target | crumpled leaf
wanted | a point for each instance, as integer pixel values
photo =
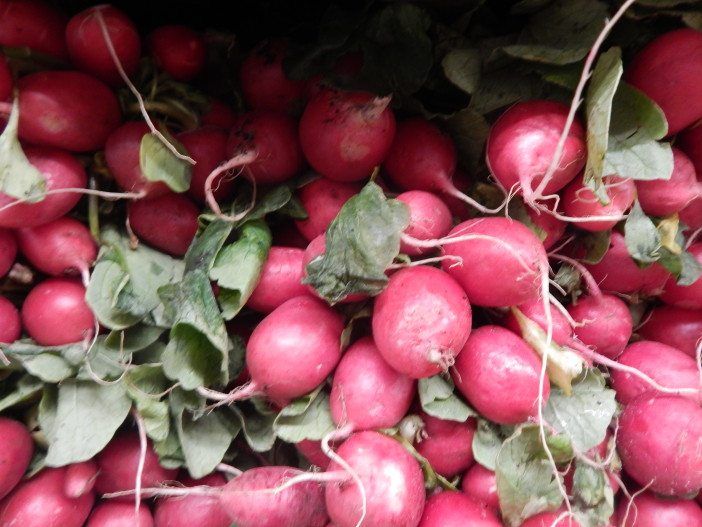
(593, 497)
(158, 163)
(487, 443)
(257, 427)
(438, 398)
(146, 384)
(307, 417)
(643, 241)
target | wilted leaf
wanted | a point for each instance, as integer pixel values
(487, 443)
(643, 241)
(593, 497)
(308, 417)
(158, 163)
(438, 399)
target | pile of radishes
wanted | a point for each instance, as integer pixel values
(209, 285)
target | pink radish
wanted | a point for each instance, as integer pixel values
(178, 51)
(312, 451)
(80, 479)
(479, 483)
(552, 226)
(649, 510)
(5, 79)
(447, 445)
(208, 147)
(34, 24)
(116, 514)
(323, 199)
(281, 279)
(16, 449)
(580, 202)
(604, 323)
(455, 509)
(689, 296)
(674, 326)
(10, 323)
(661, 197)
(429, 218)
(8, 251)
(548, 519)
(191, 511)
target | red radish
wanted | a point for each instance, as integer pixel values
(661, 197)
(692, 214)
(430, 218)
(668, 366)
(367, 394)
(689, 296)
(41, 502)
(674, 326)
(649, 510)
(605, 323)
(455, 509)
(660, 443)
(16, 449)
(8, 251)
(118, 466)
(312, 451)
(178, 51)
(479, 484)
(10, 324)
(116, 514)
(534, 310)
(548, 519)
(447, 445)
(671, 78)
(504, 263)
(580, 202)
(168, 223)
(80, 479)
(421, 321)
(208, 147)
(458, 207)
(218, 114)
(281, 279)
(499, 375)
(5, 79)
(690, 142)
(397, 500)
(273, 138)
(552, 226)
(344, 135)
(63, 246)
(193, 511)
(122, 157)
(55, 313)
(88, 47)
(66, 109)
(323, 199)
(33, 24)
(522, 143)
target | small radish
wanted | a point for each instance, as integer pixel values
(479, 483)
(551, 519)
(604, 323)
(429, 218)
(80, 479)
(312, 451)
(10, 323)
(208, 147)
(580, 202)
(5, 79)
(323, 199)
(16, 449)
(455, 509)
(280, 280)
(649, 510)
(690, 296)
(674, 326)
(663, 197)
(88, 48)
(447, 445)
(421, 321)
(552, 226)
(33, 24)
(218, 114)
(8, 251)
(345, 135)
(192, 511)
(116, 514)
(178, 51)
(534, 310)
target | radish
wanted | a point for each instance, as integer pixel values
(280, 280)
(5, 79)
(692, 214)
(10, 324)
(421, 321)
(208, 147)
(548, 519)
(604, 323)
(219, 115)
(178, 51)
(80, 479)
(580, 202)
(458, 207)
(552, 226)
(116, 514)
(674, 326)
(671, 78)
(16, 449)
(345, 135)
(191, 511)
(479, 484)
(661, 197)
(455, 509)
(429, 218)
(168, 223)
(689, 296)
(534, 310)
(55, 312)
(447, 445)
(660, 443)
(34, 24)
(312, 451)
(66, 109)
(88, 48)
(8, 251)
(392, 483)
(264, 83)
(323, 199)
(522, 143)
(499, 375)
(649, 510)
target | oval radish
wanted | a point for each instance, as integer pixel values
(280, 280)
(689, 296)
(190, 511)
(674, 326)
(580, 202)
(455, 509)
(323, 199)
(430, 218)
(34, 24)
(447, 445)
(605, 323)
(178, 51)
(208, 147)
(10, 323)
(649, 510)
(548, 519)
(80, 479)
(663, 197)
(116, 514)
(479, 483)
(16, 449)
(8, 251)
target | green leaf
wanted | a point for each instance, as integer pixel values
(158, 163)
(643, 240)
(690, 270)
(438, 399)
(146, 385)
(170, 454)
(469, 130)
(462, 67)
(207, 244)
(361, 243)
(24, 390)
(502, 87)
(596, 245)
(593, 498)
(133, 339)
(256, 427)
(487, 443)
(48, 367)
(307, 417)
(568, 278)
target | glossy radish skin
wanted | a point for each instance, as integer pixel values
(8, 251)
(62, 247)
(550, 225)
(33, 24)
(345, 135)
(674, 326)
(5, 79)
(668, 366)
(548, 519)
(168, 223)
(66, 109)
(421, 321)
(671, 78)
(660, 441)
(661, 197)
(88, 48)
(16, 449)
(479, 483)
(649, 510)
(301, 505)
(522, 143)
(605, 323)
(430, 219)
(367, 393)
(505, 270)
(10, 323)
(455, 509)
(323, 199)
(80, 479)
(178, 51)
(534, 310)
(294, 348)
(689, 297)
(447, 445)
(280, 280)
(218, 114)
(190, 511)
(499, 375)
(397, 501)
(208, 147)
(55, 313)
(60, 170)
(116, 514)
(273, 136)
(580, 202)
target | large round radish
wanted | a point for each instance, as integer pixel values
(430, 218)
(16, 449)
(523, 141)
(534, 310)
(66, 109)
(689, 296)
(548, 519)
(34, 24)
(397, 500)
(580, 202)
(55, 313)
(323, 199)
(499, 375)
(89, 49)
(10, 323)
(503, 262)
(5, 79)
(280, 280)
(549, 224)
(479, 483)
(649, 510)
(661, 197)
(455, 509)
(8, 251)
(191, 511)
(116, 514)
(660, 443)
(447, 445)
(367, 394)
(421, 321)
(208, 147)
(604, 323)
(178, 51)
(674, 326)
(344, 135)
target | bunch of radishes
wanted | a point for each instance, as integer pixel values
(389, 289)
